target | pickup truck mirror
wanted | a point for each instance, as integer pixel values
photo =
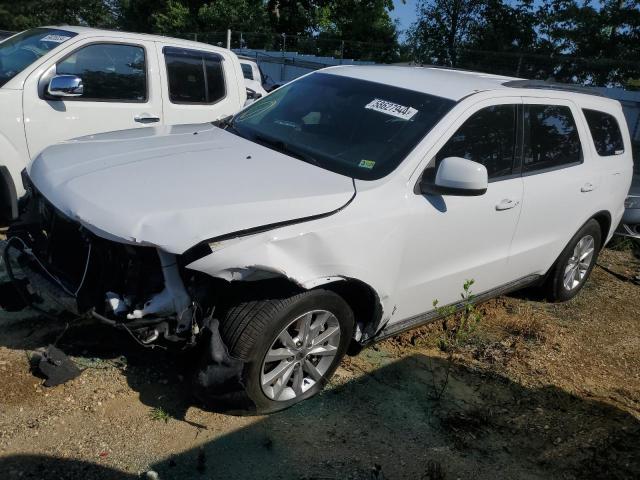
(253, 95)
(65, 86)
(457, 176)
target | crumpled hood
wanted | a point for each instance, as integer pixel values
(173, 187)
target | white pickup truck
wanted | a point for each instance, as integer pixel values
(58, 83)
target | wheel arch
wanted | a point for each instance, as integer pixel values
(603, 217)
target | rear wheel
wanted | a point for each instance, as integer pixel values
(290, 346)
(573, 267)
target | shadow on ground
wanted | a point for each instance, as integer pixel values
(485, 426)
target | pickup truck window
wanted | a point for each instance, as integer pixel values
(195, 77)
(605, 132)
(247, 71)
(22, 50)
(551, 138)
(487, 137)
(109, 71)
(354, 127)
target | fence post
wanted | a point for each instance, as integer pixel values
(228, 39)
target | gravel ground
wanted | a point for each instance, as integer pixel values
(541, 391)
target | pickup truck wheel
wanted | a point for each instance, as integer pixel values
(575, 263)
(290, 346)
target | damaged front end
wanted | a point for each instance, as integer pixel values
(65, 267)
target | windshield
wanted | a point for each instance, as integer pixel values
(20, 51)
(353, 127)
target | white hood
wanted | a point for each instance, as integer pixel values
(173, 187)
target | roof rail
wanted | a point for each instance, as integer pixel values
(548, 85)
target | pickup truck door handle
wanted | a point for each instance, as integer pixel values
(507, 204)
(146, 118)
(587, 187)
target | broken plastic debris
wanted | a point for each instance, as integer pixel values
(57, 367)
(117, 304)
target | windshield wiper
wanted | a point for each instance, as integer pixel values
(283, 147)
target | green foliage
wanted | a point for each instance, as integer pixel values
(238, 15)
(159, 414)
(459, 321)
(588, 42)
(24, 14)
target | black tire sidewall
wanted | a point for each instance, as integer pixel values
(312, 300)
(558, 291)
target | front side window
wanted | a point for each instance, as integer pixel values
(195, 77)
(20, 51)
(487, 137)
(109, 72)
(605, 132)
(354, 127)
(551, 138)
(247, 71)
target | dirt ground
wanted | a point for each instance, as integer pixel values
(542, 391)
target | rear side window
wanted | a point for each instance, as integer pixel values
(551, 138)
(605, 132)
(109, 72)
(247, 72)
(194, 77)
(487, 137)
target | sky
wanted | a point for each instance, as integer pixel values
(404, 12)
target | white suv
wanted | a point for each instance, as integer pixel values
(332, 212)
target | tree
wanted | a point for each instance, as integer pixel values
(15, 16)
(238, 15)
(359, 29)
(442, 28)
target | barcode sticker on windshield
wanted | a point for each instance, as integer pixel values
(390, 108)
(55, 38)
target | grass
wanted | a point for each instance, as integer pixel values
(159, 413)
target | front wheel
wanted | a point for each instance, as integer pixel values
(573, 267)
(290, 347)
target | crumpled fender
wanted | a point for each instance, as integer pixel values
(314, 253)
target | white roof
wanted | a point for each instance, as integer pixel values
(442, 82)
(87, 31)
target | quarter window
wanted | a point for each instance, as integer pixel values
(247, 71)
(487, 137)
(194, 76)
(109, 72)
(551, 138)
(605, 132)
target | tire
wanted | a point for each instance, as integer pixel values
(249, 328)
(560, 287)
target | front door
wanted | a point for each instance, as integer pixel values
(456, 238)
(121, 91)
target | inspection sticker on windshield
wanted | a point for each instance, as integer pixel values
(55, 38)
(390, 108)
(368, 164)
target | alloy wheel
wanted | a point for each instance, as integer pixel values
(300, 355)
(579, 263)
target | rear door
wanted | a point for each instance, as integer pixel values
(560, 184)
(121, 91)
(198, 85)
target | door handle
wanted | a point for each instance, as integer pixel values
(587, 187)
(507, 204)
(146, 118)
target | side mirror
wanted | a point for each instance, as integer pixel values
(457, 176)
(253, 95)
(65, 86)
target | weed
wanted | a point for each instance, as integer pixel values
(459, 323)
(159, 413)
